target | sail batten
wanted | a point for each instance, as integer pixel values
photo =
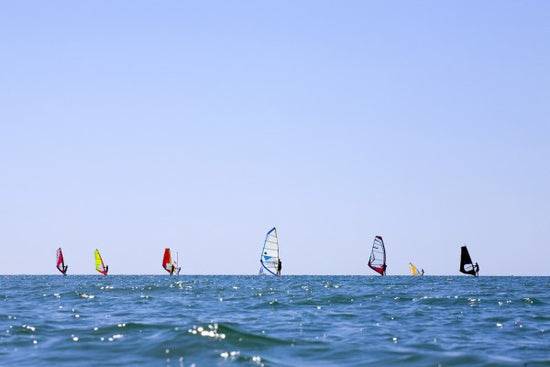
(377, 259)
(269, 258)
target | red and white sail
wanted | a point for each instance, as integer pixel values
(168, 264)
(377, 259)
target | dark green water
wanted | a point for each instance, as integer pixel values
(287, 321)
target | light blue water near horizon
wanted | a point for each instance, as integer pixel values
(287, 321)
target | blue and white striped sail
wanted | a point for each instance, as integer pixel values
(269, 258)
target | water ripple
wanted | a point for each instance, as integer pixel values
(287, 321)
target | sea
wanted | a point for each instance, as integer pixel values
(153, 320)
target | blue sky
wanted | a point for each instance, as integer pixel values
(132, 126)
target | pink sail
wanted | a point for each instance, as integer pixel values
(61, 262)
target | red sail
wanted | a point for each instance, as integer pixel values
(167, 260)
(60, 262)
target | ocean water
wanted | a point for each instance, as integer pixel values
(287, 321)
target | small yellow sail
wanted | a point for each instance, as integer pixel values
(415, 271)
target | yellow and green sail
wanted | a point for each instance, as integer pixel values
(99, 265)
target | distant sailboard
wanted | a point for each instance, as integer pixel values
(99, 265)
(466, 264)
(270, 263)
(377, 260)
(415, 271)
(61, 262)
(170, 266)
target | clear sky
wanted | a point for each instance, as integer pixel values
(131, 126)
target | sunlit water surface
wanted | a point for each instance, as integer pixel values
(286, 321)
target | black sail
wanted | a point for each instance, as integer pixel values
(466, 265)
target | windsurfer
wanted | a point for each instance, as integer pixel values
(106, 269)
(422, 272)
(476, 268)
(384, 269)
(279, 267)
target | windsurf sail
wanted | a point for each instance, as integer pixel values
(415, 271)
(61, 262)
(99, 265)
(377, 260)
(466, 264)
(169, 265)
(167, 260)
(269, 259)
